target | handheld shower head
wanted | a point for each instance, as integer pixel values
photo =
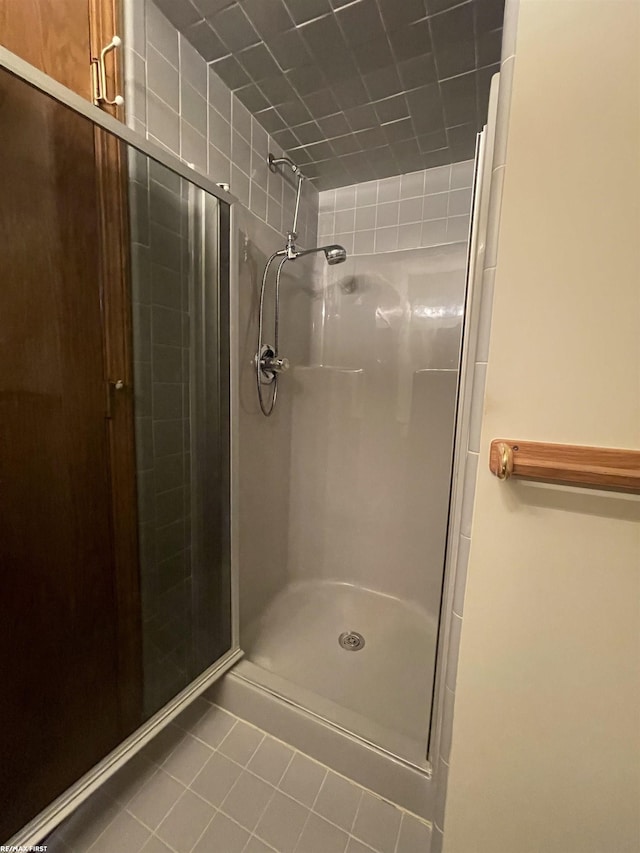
(335, 254)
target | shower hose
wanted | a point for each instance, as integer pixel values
(268, 407)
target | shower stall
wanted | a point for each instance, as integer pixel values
(343, 503)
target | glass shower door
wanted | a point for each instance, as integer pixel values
(99, 652)
(180, 347)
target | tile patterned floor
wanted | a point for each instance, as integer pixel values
(212, 783)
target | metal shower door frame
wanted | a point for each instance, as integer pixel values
(447, 648)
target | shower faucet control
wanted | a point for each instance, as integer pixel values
(278, 365)
(271, 364)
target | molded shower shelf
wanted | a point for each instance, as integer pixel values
(576, 465)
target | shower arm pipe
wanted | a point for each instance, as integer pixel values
(303, 252)
(294, 227)
(273, 163)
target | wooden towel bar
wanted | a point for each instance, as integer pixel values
(598, 467)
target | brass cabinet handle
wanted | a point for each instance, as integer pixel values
(99, 75)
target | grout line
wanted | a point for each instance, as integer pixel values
(260, 816)
(166, 843)
(261, 840)
(197, 841)
(311, 807)
(366, 846)
(395, 849)
(355, 817)
(304, 826)
(162, 840)
(284, 772)
(315, 799)
(235, 723)
(264, 735)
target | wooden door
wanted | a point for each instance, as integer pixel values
(70, 663)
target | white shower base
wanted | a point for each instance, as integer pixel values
(380, 693)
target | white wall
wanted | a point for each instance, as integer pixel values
(546, 737)
(373, 421)
(368, 491)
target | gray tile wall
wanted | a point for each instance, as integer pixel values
(175, 97)
(426, 208)
(160, 294)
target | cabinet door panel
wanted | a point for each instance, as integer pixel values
(53, 35)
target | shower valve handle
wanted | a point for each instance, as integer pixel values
(275, 365)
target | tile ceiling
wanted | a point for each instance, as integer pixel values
(354, 89)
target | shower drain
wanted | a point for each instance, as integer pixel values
(351, 641)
